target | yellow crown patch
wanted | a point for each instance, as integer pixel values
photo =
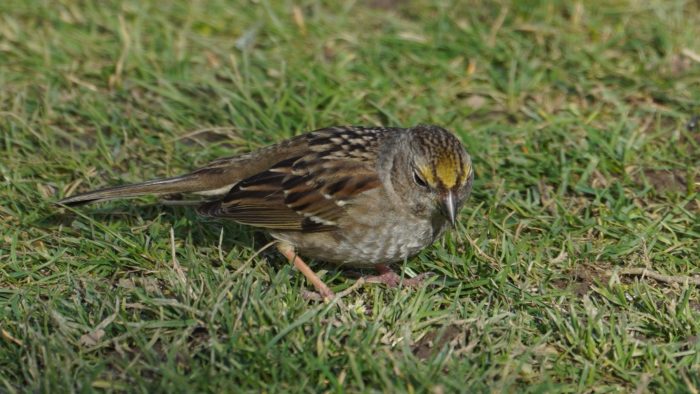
(447, 171)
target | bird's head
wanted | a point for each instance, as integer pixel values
(435, 170)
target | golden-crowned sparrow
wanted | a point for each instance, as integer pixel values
(358, 196)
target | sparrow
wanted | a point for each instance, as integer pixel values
(353, 196)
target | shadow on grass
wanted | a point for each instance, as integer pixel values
(202, 232)
(184, 220)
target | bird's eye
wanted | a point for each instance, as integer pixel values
(419, 180)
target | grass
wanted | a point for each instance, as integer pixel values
(575, 116)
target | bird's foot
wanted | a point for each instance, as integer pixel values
(391, 279)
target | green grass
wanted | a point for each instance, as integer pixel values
(574, 115)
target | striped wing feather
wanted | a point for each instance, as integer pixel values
(304, 193)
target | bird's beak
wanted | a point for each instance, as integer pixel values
(448, 207)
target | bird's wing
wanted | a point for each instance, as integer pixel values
(308, 192)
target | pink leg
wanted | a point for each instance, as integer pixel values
(288, 251)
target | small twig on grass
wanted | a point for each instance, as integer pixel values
(359, 283)
(313, 296)
(496, 26)
(9, 337)
(643, 272)
(179, 272)
(494, 262)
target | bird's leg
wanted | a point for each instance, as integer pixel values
(287, 251)
(388, 277)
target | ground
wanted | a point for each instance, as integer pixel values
(579, 119)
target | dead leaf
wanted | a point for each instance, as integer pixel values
(666, 180)
(92, 338)
(475, 101)
(435, 340)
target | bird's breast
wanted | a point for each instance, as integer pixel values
(366, 241)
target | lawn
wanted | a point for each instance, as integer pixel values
(574, 266)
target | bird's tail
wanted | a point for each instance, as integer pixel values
(188, 183)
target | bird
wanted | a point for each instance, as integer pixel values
(353, 196)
